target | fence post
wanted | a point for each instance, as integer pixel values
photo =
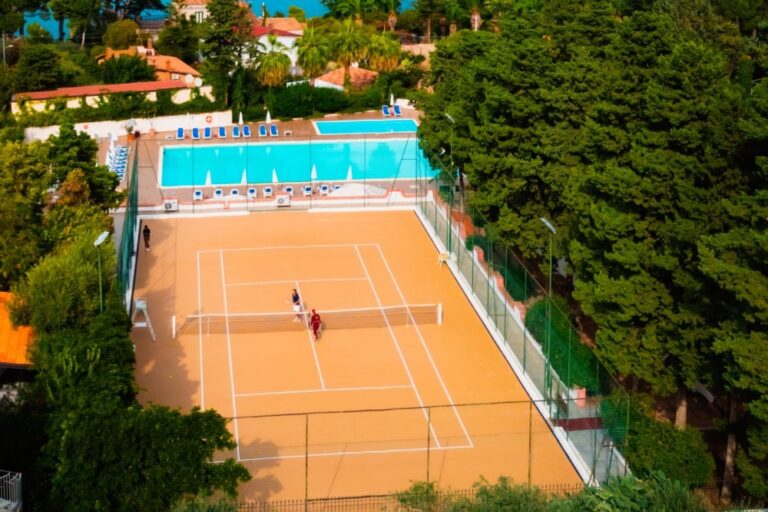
(429, 438)
(530, 440)
(306, 462)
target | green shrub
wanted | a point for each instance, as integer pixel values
(574, 362)
(651, 445)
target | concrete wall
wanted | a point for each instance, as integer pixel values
(103, 129)
(180, 96)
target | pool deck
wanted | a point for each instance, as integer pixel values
(152, 196)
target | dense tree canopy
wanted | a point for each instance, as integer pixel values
(635, 132)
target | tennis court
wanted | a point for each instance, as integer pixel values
(404, 383)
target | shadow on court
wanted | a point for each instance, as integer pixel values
(264, 484)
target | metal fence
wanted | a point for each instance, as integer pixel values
(435, 502)
(130, 232)
(295, 172)
(537, 336)
(10, 490)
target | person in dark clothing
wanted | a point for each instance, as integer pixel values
(146, 234)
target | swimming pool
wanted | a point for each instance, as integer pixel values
(292, 162)
(366, 126)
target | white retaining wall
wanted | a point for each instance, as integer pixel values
(102, 129)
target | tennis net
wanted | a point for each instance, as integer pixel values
(244, 323)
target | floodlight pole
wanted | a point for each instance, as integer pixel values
(450, 158)
(3, 49)
(97, 243)
(548, 334)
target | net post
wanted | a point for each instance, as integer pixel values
(173, 327)
(439, 313)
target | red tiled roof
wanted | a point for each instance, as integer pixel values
(259, 31)
(289, 24)
(14, 342)
(358, 77)
(196, 2)
(171, 64)
(96, 90)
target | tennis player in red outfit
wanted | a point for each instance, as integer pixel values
(315, 323)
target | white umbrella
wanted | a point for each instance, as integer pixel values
(313, 174)
(349, 173)
(269, 118)
(391, 99)
(244, 179)
(274, 176)
(240, 120)
(208, 178)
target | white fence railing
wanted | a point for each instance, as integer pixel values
(10, 491)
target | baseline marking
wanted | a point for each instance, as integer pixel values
(360, 452)
(323, 390)
(397, 346)
(424, 345)
(229, 354)
(291, 281)
(282, 247)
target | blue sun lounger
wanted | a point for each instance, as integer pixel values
(246, 131)
(207, 132)
(222, 132)
(385, 111)
(235, 132)
(180, 134)
(273, 131)
(262, 130)
(398, 112)
(196, 133)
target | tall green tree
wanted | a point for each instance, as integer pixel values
(125, 69)
(348, 44)
(24, 179)
(273, 63)
(39, 69)
(180, 39)
(314, 52)
(121, 34)
(70, 150)
(227, 34)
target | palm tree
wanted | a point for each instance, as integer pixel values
(383, 53)
(349, 45)
(453, 12)
(313, 53)
(354, 8)
(273, 65)
(390, 7)
(427, 9)
(475, 19)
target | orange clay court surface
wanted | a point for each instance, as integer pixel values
(267, 380)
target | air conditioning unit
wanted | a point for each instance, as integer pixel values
(171, 205)
(283, 200)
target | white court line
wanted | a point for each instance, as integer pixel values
(229, 353)
(284, 247)
(397, 346)
(426, 349)
(312, 342)
(360, 452)
(200, 335)
(328, 280)
(324, 390)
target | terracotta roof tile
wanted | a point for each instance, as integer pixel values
(171, 64)
(358, 77)
(14, 342)
(95, 90)
(288, 24)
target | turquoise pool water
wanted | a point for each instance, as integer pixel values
(288, 162)
(366, 126)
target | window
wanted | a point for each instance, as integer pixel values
(175, 76)
(199, 16)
